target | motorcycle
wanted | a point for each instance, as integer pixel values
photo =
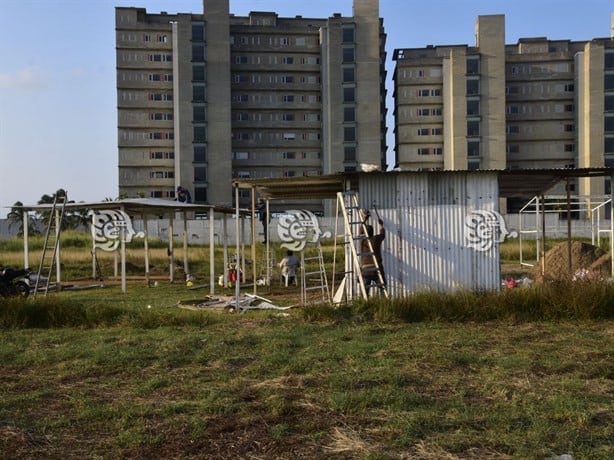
(14, 283)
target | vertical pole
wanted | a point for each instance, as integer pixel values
(268, 248)
(612, 223)
(95, 274)
(146, 249)
(25, 216)
(569, 264)
(123, 253)
(543, 247)
(238, 241)
(253, 204)
(58, 259)
(171, 248)
(212, 250)
(225, 232)
(186, 268)
(537, 216)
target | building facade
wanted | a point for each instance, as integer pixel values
(539, 103)
(204, 98)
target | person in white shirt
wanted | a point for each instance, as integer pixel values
(289, 265)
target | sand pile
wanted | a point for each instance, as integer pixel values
(583, 256)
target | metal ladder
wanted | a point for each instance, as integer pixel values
(355, 234)
(51, 245)
(319, 274)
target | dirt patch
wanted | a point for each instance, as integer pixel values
(583, 256)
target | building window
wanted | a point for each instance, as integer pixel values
(199, 113)
(569, 108)
(348, 75)
(473, 128)
(473, 66)
(438, 151)
(512, 129)
(200, 134)
(571, 147)
(287, 116)
(609, 60)
(289, 155)
(198, 53)
(472, 165)
(608, 124)
(349, 94)
(349, 114)
(424, 131)
(569, 128)
(423, 112)
(157, 116)
(200, 154)
(473, 107)
(349, 153)
(473, 87)
(289, 136)
(424, 151)
(348, 55)
(198, 32)
(241, 60)
(512, 109)
(288, 60)
(349, 134)
(437, 131)
(348, 35)
(198, 93)
(200, 174)
(609, 103)
(288, 98)
(512, 148)
(240, 155)
(198, 73)
(473, 149)
(200, 194)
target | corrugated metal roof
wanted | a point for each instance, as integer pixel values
(154, 205)
(512, 182)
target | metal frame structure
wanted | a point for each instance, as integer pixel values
(145, 208)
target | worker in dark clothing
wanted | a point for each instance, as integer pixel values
(264, 218)
(368, 261)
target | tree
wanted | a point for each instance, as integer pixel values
(15, 218)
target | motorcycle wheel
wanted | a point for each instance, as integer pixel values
(23, 290)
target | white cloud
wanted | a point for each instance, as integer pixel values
(30, 78)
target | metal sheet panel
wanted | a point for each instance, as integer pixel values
(426, 246)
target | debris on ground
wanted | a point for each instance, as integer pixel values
(229, 303)
(583, 256)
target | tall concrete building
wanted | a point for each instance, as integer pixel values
(539, 103)
(204, 98)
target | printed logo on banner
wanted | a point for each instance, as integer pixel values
(484, 228)
(296, 228)
(107, 228)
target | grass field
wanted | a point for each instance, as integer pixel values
(523, 374)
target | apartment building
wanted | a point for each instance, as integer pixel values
(204, 98)
(538, 103)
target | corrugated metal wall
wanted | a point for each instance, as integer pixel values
(424, 216)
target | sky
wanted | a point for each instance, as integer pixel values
(58, 117)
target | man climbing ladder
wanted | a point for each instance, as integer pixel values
(371, 253)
